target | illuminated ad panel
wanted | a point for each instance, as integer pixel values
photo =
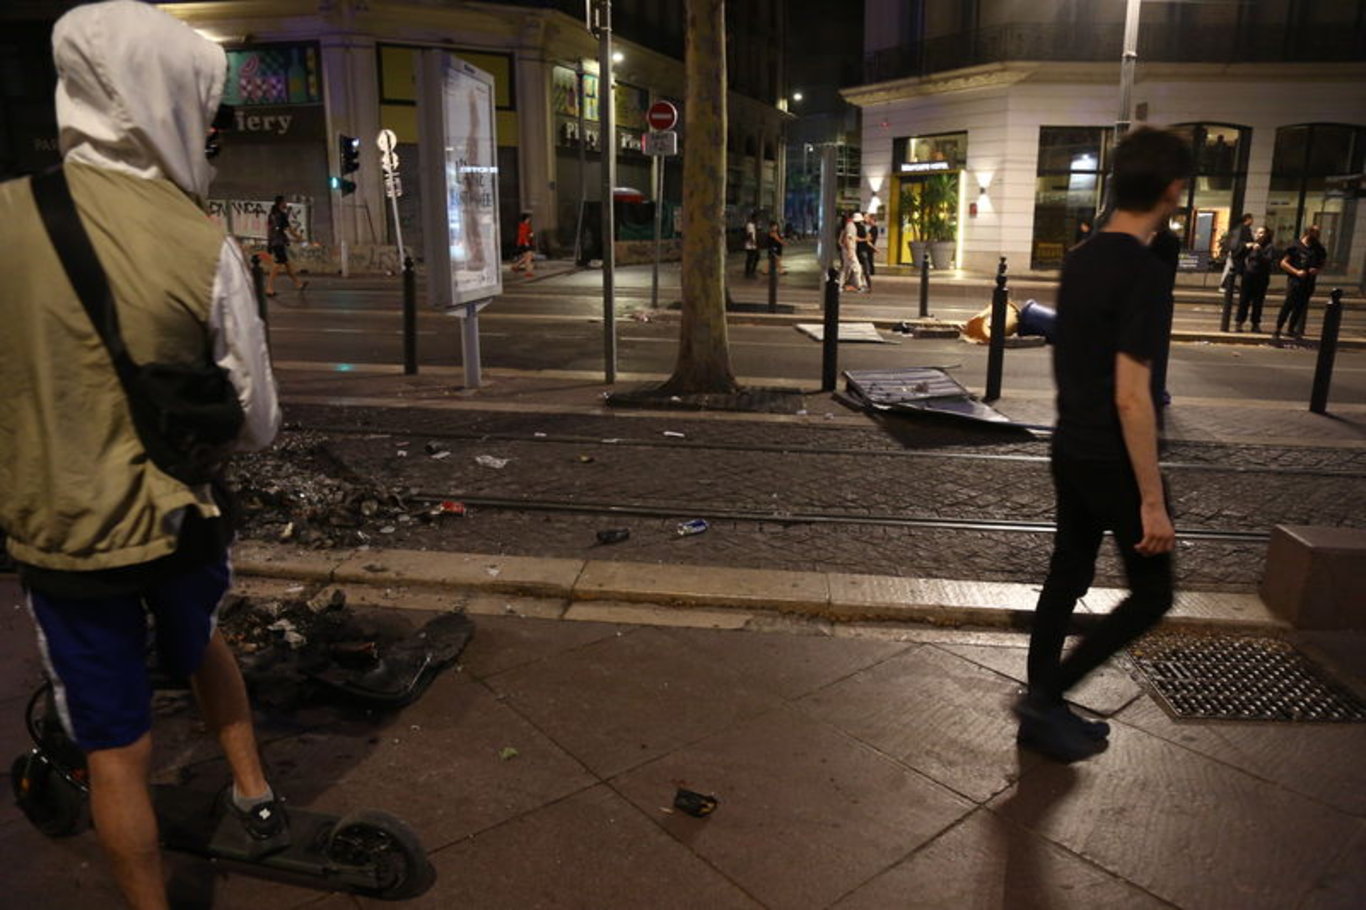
(471, 166)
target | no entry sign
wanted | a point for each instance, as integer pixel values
(662, 116)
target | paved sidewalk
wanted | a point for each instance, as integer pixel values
(856, 766)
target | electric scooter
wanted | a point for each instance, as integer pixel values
(366, 852)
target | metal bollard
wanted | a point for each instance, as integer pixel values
(830, 345)
(996, 347)
(1228, 303)
(1328, 350)
(772, 281)
(258, 283)
(409, 317)
(925, 285)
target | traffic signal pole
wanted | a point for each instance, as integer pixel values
(607, 144)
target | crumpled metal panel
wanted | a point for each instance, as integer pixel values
(919, 389)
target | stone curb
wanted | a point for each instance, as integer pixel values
(601, 587)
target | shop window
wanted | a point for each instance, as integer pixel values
(1316, 179)
(1214, 195)
(1067, 189)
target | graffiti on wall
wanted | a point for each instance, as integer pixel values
(246, 218)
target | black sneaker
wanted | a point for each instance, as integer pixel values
(252, 833)
(1054, 731)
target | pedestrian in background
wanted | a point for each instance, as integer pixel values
(278, 233)
(1237, 246)
(775, 249)
(851, 275)
(526, 246)
(1104, 458)
(1083, 231)
(102, 535)
(866, 232)
(751, 245)
(1301, 262)
(1256, 271)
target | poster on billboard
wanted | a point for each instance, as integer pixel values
(471, 182)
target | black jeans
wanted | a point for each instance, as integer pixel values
(751, 263)
(1093, 497)
(1296, 306)
(1252, 295)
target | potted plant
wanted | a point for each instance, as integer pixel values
(939, 201)
(913, 223)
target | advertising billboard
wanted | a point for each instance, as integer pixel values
(471, 181)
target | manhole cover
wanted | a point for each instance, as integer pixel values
(1235, 677)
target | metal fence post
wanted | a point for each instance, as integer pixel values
(409, 316)
(830, 344)
(925, 285)
(1227, 317)
(258, 284)
(772, 280)
(996, 348)
(1328, 350)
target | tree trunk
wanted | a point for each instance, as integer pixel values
(703, 364)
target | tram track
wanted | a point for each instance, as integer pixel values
(626, 442)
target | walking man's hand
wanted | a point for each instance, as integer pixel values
(1158, 534)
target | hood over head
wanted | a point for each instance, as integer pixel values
(137, 90)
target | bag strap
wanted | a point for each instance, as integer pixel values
(52, 194)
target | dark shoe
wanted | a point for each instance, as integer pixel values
(303, 287)
(1052, 730)
(261, 830)
(1238, 328)
(1256, 328)
(1096, 729)
(270, 293)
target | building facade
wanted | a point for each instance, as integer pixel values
(987, 125)
(302, 73)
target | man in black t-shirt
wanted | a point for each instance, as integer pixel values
(1301, 264)
(1105, 469)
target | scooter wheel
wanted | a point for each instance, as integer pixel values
(54, 805)
(387, 849)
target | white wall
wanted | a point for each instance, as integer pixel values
(1003, 137)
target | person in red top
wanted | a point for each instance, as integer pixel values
(526, 249)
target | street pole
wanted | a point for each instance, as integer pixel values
(825, 239)
(1128, 63)
(996, 348)
(583, 173)
(659, 229)
(607, 143)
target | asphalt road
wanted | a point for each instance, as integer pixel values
(555, 328)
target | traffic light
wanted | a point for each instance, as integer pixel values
(348, 148)
(348, 155)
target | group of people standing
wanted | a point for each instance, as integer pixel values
(1251, 259)
(858, 233)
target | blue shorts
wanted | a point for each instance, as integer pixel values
(96, 650)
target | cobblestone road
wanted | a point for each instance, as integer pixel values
(905, 469)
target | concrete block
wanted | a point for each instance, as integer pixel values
(1316, 577)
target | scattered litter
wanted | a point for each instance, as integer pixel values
(611, 442)
(675, 399)
(698, 805)
(294, 589)
(374, 567)
(586, 459)
(440, 455)
(288, 532)
(674, 434)
(494, 571)
(451, 507)
(801, 412)
(401, 453)
(918, 390)
(289, 634)
(432, 448)
(689, 528)
(613, 535)
(641, 316)
(848, 331)
(539, 435)
(415, 728)
(490, 461)
(507, 753)
(326, 601)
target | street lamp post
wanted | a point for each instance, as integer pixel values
(607, 144)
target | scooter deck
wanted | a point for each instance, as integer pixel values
(191, 822)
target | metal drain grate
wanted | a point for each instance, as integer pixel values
(1235, 677)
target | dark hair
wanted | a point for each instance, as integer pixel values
(1147, 160)
(279, 200)
(1248, 216)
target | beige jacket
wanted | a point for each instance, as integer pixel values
(137, 90)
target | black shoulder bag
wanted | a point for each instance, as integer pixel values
(187, 416)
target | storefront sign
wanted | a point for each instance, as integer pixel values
(286, 123)
(919, 167)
